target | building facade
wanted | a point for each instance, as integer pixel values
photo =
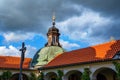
(98, 59)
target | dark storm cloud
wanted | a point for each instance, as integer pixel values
(107, 31)
(109, 9)
(106, 7)
(35, 15)
(30, 15)
(92, 26)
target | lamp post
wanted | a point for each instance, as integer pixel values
(23, 49)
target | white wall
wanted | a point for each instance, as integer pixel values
(92, 66)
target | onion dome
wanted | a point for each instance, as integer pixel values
(45, 55)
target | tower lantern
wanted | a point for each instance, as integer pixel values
(53, 35)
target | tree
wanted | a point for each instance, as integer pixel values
(32, 76)
(0, 77)
(117, 67)
(6, 75)
(60, 74)
(41, 76)
(86, 74)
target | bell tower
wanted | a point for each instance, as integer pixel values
(53, 35)
(51, 50)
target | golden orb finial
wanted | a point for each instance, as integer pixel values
(53, 19)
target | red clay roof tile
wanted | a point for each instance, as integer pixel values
(93, 53)
(13, 62)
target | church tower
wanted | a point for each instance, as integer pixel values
(53, 35)
(51, 49)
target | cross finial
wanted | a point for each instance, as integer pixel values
(53, 17)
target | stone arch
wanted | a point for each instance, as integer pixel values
(16, 77)
(104, 73)
(51, 76)
(73, 75)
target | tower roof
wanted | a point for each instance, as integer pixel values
(53, 29)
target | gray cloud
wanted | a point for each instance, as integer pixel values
(32, 15)
(112, 29)
(35, 16)
(106, 7)
(91, 27)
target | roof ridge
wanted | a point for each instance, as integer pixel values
(13, 57)
(113, 41)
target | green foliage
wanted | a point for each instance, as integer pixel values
(41, 76)
(60, 74)
(0, 77)
(32, 76)
(6, 75)
(86, 74)
(117, 67)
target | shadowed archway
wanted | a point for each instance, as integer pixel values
(104, 74)
(101, 77)
(73, 75)
(51, 76)
(16, 77)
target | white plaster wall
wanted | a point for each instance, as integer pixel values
(93, 67)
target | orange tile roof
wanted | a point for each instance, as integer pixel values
(89, 54)
(13, 62)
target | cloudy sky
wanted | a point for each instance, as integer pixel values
(82, 23)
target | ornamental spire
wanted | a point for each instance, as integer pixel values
(53, 19)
